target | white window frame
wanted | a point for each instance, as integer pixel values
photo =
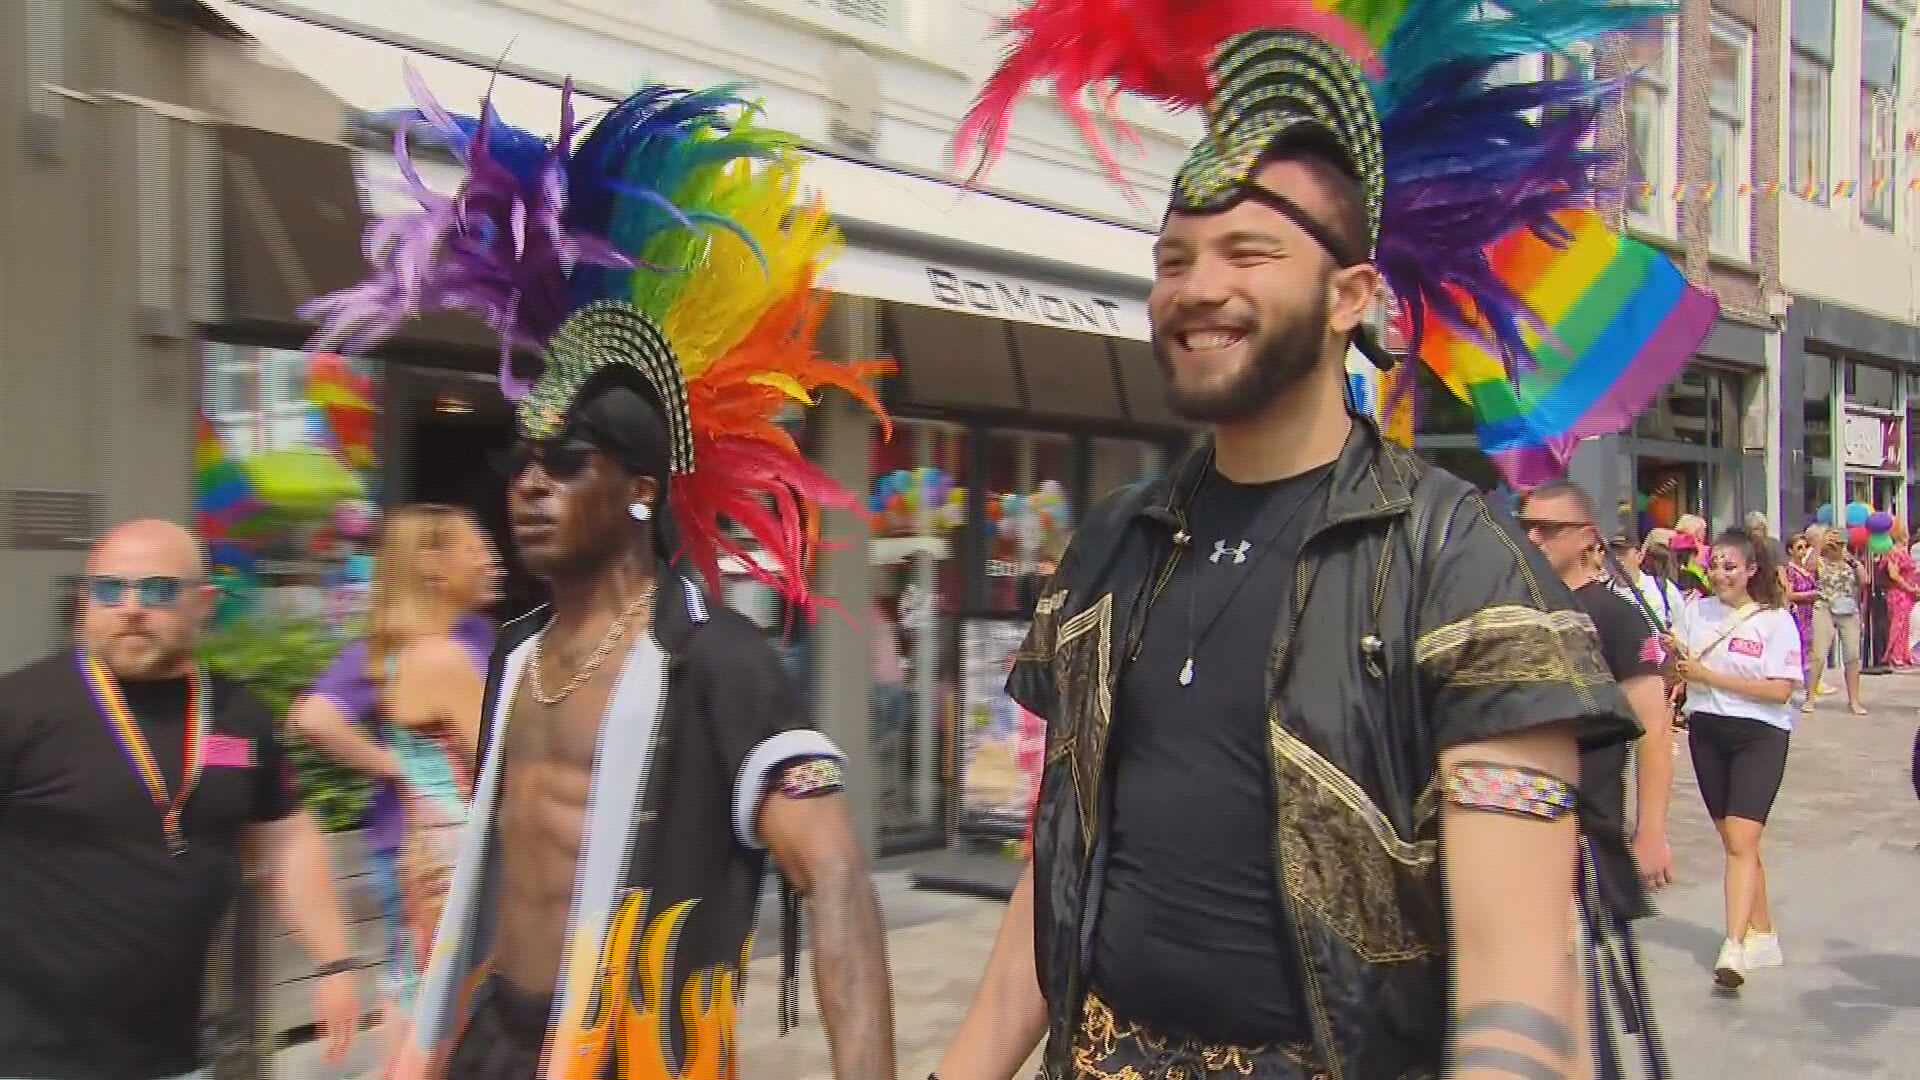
(1658, 216)
(1817, 188)
(1863, 186)
(1739, 245)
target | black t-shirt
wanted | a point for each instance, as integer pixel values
(104, 933)
(1631, 650)
(1190, 938)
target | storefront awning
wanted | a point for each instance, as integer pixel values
(956, 363)
(993, 303)
(950, 361)
(294, 212)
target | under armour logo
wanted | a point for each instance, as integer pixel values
(1237, 554)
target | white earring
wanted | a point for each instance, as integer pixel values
(640, 511)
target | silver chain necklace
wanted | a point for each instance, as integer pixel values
(607, 644)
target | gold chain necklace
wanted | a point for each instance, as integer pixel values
(614, 633)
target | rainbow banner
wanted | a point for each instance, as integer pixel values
(349, 409)
(229, 495)
(1617, 325)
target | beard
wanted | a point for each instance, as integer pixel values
(1276, 361)
(139, 659)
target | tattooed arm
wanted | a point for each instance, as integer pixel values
(1509, 877)
(814, 843)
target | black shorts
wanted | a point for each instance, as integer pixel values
(504, 1038)
(1739, 764)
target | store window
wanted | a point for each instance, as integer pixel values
(1652, 119)
(920, 519)
(290, 467)
(1913, 451)
(1028, 480)
(1879, 116)
(1702, 409)
(1810, 99)
(1817, 417)
(1729, 96)
(1872, 386)
(1687, 451)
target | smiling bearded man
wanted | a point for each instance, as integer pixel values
(1312, 706)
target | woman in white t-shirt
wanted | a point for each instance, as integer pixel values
(1739, 652)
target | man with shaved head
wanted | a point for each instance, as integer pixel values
(135, 787)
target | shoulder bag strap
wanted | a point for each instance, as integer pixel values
(1747, 611)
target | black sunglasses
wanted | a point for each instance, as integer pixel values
(561, 459)
(1552, 528)
(158, 591)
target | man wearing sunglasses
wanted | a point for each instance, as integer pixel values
(1558, 518)
(135, 789)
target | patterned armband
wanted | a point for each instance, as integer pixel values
(810, 778)
(1510, 789)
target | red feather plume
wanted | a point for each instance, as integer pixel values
(747, 469)
(1088, 52)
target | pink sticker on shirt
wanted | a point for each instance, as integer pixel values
(230, 752)
(1746, 647)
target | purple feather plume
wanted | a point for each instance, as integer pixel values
(496, 250)
(1465, 165)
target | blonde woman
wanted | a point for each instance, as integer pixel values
(436, 566)
(1836, 614)
(404, 705)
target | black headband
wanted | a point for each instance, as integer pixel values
(1343, 257)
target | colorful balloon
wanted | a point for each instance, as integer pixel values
(1880, 543)
(1879, 521)
(1858, 513)
(1857, 537)
(1824, 515)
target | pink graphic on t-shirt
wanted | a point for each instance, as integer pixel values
(230, 752)
(1650, 652)
(1746, 647)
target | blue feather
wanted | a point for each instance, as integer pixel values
(625, 176)
(1432, 34)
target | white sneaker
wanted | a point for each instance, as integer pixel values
(1763, 951)
(1730, 970)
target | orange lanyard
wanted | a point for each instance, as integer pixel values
(133, 741)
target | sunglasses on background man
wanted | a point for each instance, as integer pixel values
(158, 591)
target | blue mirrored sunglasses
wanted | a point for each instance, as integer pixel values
(155, 592)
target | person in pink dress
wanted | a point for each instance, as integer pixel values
(1903, 582)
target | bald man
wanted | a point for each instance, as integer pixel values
(135, 788)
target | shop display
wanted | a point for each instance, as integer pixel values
(290, 504)
(901, 498)
(1001, 744)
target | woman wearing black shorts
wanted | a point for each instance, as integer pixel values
(1739, 653)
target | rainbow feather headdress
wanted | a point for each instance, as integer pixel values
(671, 245)
(1482, 196)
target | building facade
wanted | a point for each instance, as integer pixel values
(1699, 124)
(1850, 259)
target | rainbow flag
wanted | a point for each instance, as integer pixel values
(1617, 324)
(229, 495)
